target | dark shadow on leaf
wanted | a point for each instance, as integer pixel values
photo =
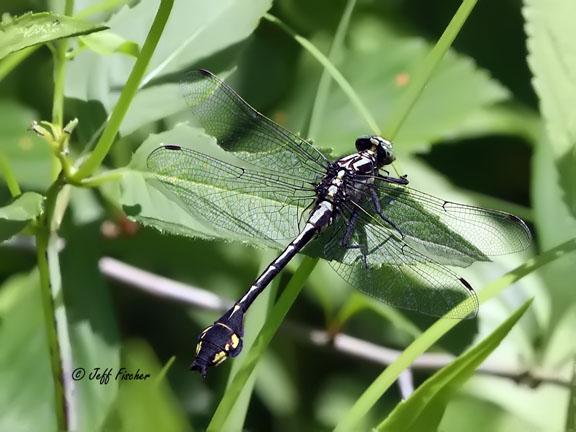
(132, 210)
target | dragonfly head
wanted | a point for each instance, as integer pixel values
(379, 145)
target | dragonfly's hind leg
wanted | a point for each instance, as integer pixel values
(378, 209)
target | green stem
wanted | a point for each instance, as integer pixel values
(42, 241)
(335, 73)
(128, 92)
(436, 331)
(11, 181)
(424, 71)
(261, 343)
(59, 59)
(106, 177)
(323, 91)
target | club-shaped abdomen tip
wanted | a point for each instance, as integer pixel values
(219, 341)
(202, 368)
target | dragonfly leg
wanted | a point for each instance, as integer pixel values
(345, 242)
(378, 209)
(402, 180)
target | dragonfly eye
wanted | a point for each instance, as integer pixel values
(384, 155)
(364, 143)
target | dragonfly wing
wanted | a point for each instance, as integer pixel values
(455, 234)
(378, 262)
(240, 129)
(229, 197)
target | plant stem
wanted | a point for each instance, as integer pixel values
(333, 71)
(11, 181)
(59, 59)
(42, 240)
(105, 177)
(323, 91)
(128, 92)
(261, 343)
(436, 331)
(425, 70)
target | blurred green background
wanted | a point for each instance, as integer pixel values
(480, 133)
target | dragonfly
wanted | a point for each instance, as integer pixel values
(392, 242)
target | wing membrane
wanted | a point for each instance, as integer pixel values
(229, 197)
(424, 218)
(239, 128)
(378, 262)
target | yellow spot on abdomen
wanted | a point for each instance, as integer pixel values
(235, 340)
(219, 358)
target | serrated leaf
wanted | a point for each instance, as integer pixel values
(15, 216)
(552, 60)
(145, 201)
(424, 409)
(555, 224)
(378, 65)
(38, 28)
(195, 30)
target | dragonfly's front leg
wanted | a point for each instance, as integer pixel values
(402, 180)
(378, 209)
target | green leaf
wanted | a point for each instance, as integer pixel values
(32, 29)
(15, 216)
(196, 30)
(552, 60)
(25, 379)
(146, 201)
(457, 91)
(28, 155)
(108, 42)
(554, 223)
(274, 386)
(383, 382)
(571, 416)
(424, 409)
(91, 324)
(145, 406)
